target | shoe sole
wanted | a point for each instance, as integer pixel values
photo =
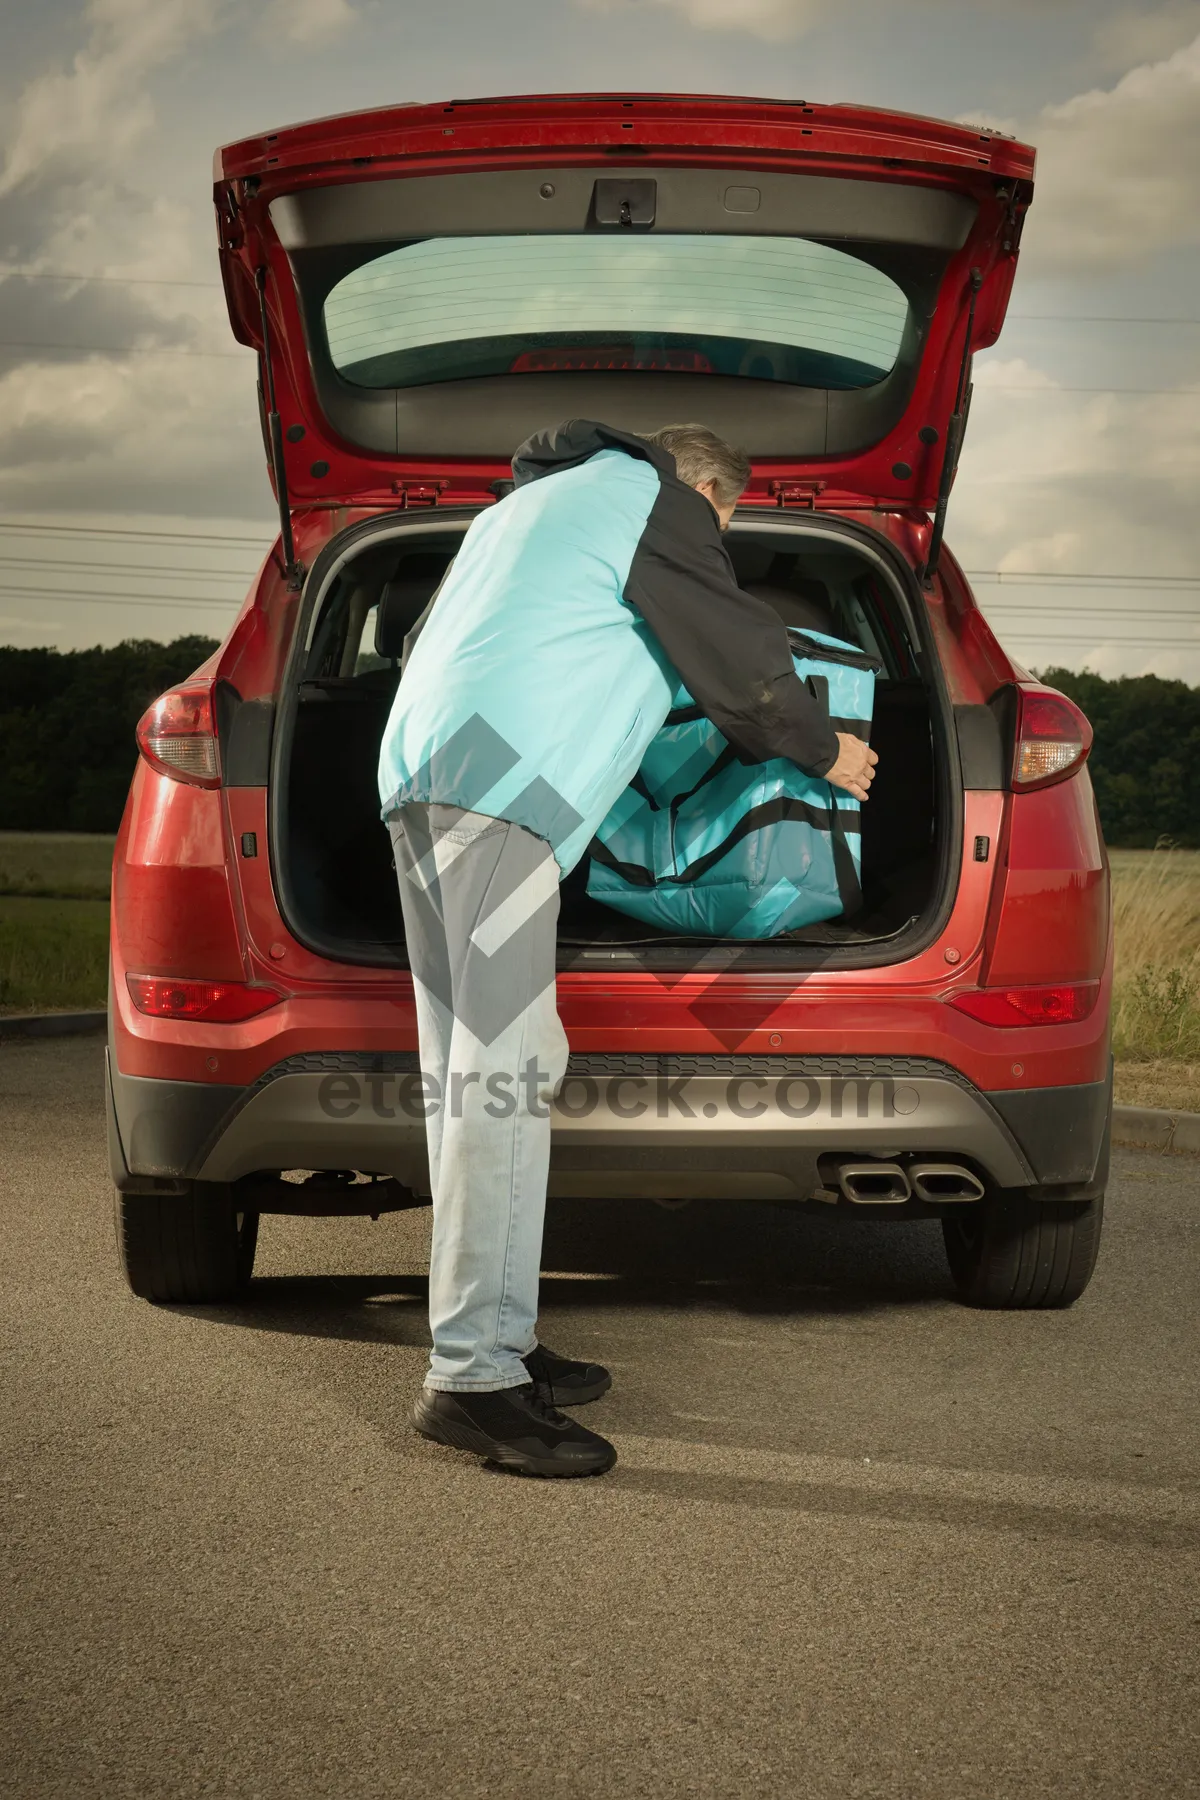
(476, 1443)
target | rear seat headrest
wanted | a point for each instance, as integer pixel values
(805, 606)
(405, 598)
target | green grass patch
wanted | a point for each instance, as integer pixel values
(62, 865)
(53, 954)
(1156, 994)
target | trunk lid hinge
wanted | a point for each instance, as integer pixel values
(426, 493)
(796, 493)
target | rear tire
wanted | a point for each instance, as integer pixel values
(194, 1248)
(1010, 1251)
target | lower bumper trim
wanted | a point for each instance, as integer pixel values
(660, 1126)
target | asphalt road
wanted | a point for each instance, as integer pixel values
(861, 1541)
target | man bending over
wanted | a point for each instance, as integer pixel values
(548, 662)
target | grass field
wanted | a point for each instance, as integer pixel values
(56, 865)
(53, 947)
(53, 954)
(1156, 1001)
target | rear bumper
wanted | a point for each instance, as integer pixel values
(654, 1126)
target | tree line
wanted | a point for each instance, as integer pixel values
(67, 751)
(1145, 760)
(67, 720)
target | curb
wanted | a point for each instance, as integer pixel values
(1151, 1128)
(63, 1024)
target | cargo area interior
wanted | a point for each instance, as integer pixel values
(332, 856)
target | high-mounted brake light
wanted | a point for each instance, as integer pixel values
(1064, 1003)
(1052, 738)
(177, 736)
(213, 1002)
(553, 360)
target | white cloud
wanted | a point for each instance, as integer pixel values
(308, 23)
(1051, 482)
(90, 116)
(39, 625)
(157, 430)
(1117, 169)
(1012, 372)
(1114, 659)
(1065, 481)
(1145, 34)
(774, 20)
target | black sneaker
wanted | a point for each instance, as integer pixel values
(561, 1382)
(513, 1428)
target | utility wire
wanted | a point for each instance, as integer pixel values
(1078, 577)
(982, 388)
(1118, 643)
(117, 600)
(140, 532)
(122, 349)
(1098, 579)
(215, 288)
(1012, 387)
(125, 571)
(1101, 600)
(1091, 319)
(115, 280)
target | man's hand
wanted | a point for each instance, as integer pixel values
(854, 769)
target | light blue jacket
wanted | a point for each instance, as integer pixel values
(570, 615)
(534, 689)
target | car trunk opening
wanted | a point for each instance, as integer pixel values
(331, 855)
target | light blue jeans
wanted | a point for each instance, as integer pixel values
(480, 903)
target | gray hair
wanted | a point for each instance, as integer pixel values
(700, 455)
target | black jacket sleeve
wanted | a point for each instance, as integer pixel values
(731, 650)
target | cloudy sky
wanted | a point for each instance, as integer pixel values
(133, 495)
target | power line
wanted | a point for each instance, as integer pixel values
(140, 532)
(214, 287)
(123, 571)
(121, 349)
(1118, 643)
(1092, 319)
(1007, 387)
(115, 280)
(1080, 576)
(1099, 579)
(1082, 618)
(119, 600)
(1012, 387)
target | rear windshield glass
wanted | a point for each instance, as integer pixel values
(774, 309)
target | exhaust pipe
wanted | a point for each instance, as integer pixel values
(944, 1181)
(874, 1183)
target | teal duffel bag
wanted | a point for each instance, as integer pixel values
(703, 844)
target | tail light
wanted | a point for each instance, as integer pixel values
(213, 1002)
(1051, 741)
(1061, 1004)
(178, 737)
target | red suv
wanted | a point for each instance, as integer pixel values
(425, 286)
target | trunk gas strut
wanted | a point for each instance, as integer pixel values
(293, 571)
(955, 432)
